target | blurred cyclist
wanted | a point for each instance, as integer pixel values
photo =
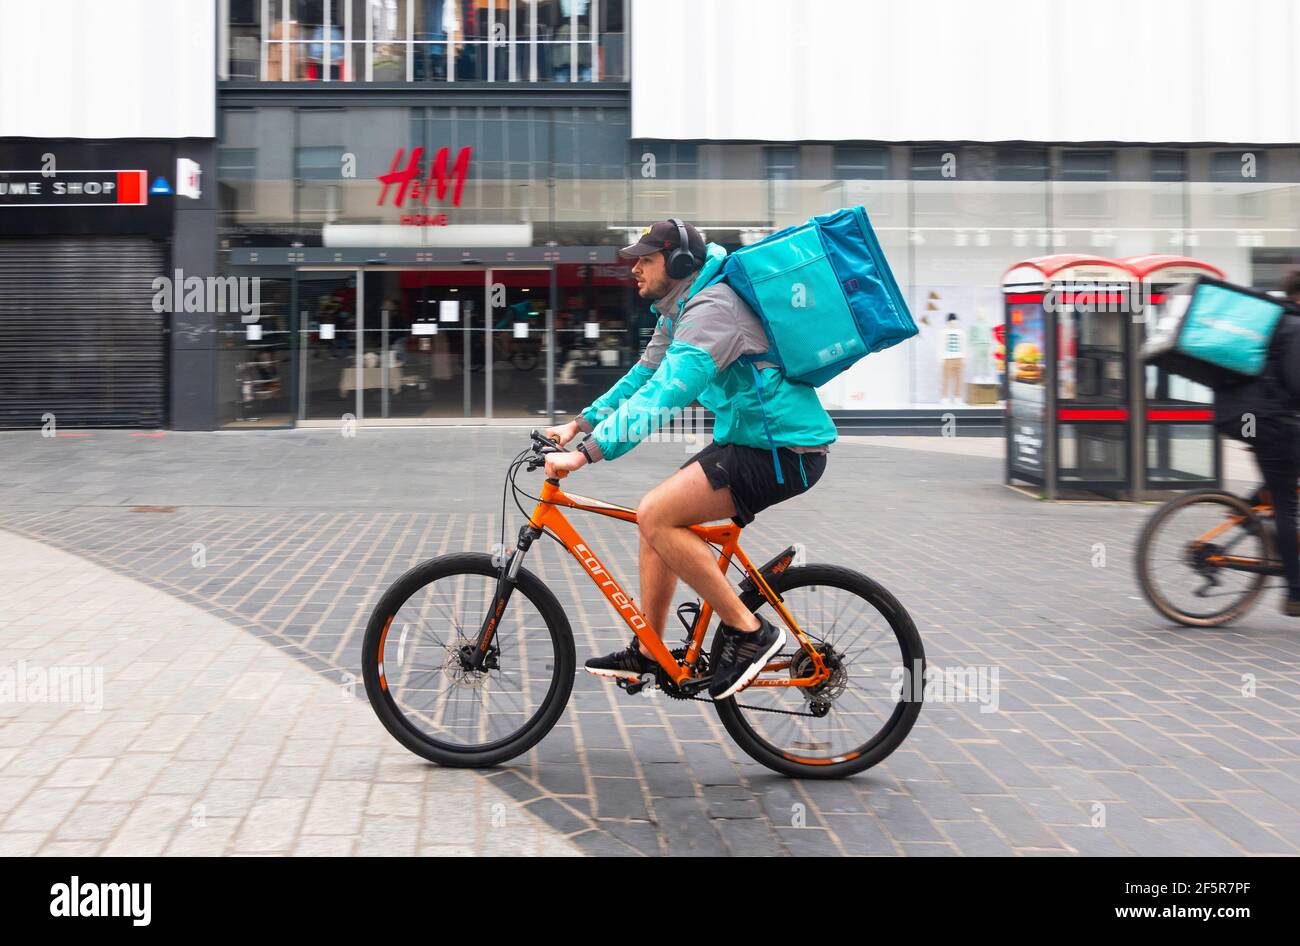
(1263, 413)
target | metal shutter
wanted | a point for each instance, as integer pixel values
(78, 334)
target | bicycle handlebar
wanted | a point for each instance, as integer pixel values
(541, 447)
(540, 440)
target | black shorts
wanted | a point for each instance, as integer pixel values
(750, 475)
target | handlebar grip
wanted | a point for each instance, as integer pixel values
(541, 440)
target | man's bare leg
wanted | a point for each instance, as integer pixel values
(664, 517)
(657, 586)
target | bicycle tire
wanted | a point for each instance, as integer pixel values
(510, 746)
(905, 714)
(1142, 560)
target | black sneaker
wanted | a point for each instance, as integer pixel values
(627, 664)
(743, 656)
(1291, 605)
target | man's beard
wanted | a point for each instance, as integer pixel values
(654, 295)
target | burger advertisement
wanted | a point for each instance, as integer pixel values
(1027, 363)
(1026, 369)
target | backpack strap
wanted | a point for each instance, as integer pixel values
(762, 403)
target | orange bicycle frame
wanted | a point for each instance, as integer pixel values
(548, 515)
(1237, 562)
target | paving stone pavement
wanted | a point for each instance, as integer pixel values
(1114, 732)
(144, 726)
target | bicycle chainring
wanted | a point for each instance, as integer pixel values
(667, 687)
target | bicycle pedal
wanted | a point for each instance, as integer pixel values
(633, 687)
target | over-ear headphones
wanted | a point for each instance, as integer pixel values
(681, 261)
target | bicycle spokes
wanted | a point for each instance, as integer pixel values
(1202, 559)
(429, 668)
(847, 704)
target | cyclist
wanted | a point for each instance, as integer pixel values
(1262, 413)
(698, 351)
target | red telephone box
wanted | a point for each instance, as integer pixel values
(1083, 414)
(1177, 445)
(1068, 383)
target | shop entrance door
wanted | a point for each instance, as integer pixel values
(429, 345)
(419, 340)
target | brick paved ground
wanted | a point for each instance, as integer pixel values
(1103, 709)
(199, 739)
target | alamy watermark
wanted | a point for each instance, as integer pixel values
(947, 685)
(1091, 298)
(226, 294)
(29, 683)
(77, 898)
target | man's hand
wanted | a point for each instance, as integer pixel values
(561, 465)
(562, 433)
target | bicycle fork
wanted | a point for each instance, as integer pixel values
(477, 655)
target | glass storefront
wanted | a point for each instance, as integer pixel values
(430, 344)
(424, 41)
(953, 220)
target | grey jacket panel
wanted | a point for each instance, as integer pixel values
(658, 344)
(718, 321)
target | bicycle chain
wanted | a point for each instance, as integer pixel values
(760, 709)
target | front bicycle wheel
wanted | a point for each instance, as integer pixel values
(422, 691)
(858, 716)
(1180, 552)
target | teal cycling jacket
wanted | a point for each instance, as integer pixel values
(698, 352)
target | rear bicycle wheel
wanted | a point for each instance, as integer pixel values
(423, 693)
(1175, 565)
(871, 701)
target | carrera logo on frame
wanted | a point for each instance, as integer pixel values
(110, 188)
(411, 188)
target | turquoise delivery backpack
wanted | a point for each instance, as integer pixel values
(1221, 338)
(824, 293)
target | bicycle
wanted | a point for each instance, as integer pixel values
(1226, 550)
(468, 659)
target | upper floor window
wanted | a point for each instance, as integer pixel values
(1087, 164)
(1021, 163)
(1168, 165)
(1241, 166)
(424, 40)
(861, 162)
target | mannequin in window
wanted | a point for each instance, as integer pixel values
(952, 357)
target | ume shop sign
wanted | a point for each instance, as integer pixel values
(73, 188)
(410, 188)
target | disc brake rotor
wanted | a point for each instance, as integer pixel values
(828, 690)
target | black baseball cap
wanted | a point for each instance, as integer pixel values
(664, 236)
